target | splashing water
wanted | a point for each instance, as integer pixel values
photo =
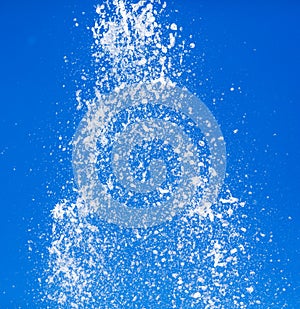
(145, 143)
(129, 46)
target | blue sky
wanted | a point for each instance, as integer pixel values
(252, 46)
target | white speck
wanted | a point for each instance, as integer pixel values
(230, 212)
(230, 200)
(172, 41)
(235, 131)
(98, 9)
(196, 295)
(232, 89)
(250, 289)
(143, 61)
(233, 251)
(164, 49)
(173, 27)
(163, 191)
(196, 181)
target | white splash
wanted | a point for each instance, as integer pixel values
(193, 260)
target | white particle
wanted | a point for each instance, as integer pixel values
(196, 295)
(173, 27)
(233, 251)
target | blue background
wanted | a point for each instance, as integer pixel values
(255, 46)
